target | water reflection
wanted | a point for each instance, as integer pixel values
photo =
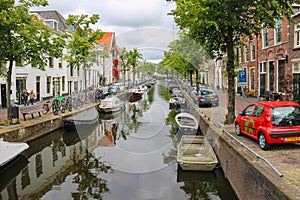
(126, 155)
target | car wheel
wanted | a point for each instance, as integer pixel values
(262, 141)
(238, 130)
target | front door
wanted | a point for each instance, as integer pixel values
(38, 88)
(3, 96)
(20, 86)
(262, 85)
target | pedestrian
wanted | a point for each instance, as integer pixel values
(32, 97)
(25, 97)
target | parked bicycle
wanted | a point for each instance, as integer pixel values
(69, 105)
(58, 105)
(46, 107)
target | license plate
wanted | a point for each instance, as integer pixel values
(292, 139)
(210, 97)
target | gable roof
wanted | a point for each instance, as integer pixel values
(54, 15)
(108, 40)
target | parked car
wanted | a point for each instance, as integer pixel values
(207, 97)
(270, 122)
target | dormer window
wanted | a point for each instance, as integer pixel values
(53, 24)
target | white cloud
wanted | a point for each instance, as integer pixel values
(137, 23)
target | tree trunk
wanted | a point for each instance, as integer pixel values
(197, 79)
(8, 82)
(230, 117)
(191, 78)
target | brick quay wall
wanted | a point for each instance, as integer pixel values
(250, 177)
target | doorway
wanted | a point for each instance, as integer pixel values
(3, 96)
(20, 86)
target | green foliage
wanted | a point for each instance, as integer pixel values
(219, 26)
(23, 37)
(82, 43)
(147, 67)
(132, 58)
(185, 55)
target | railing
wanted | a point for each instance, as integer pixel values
(218, 124)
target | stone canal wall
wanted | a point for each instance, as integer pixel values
(251, 178)
(37, 127)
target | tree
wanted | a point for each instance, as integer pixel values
(83, 42)
(185, 55)
(147, 68)
(124, 63)
(219, 26)
(133, 56)
(24, 38)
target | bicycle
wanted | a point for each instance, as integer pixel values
(46, 107)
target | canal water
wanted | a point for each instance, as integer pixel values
(130, 155)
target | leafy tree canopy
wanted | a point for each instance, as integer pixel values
(219, 27)
(84, 39)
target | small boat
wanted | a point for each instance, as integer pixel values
(11, 150)
(143, 88)
(112, 104)
(135, 92)
(196, 154)
(187, 123)
(86, 117)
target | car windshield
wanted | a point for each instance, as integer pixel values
(286, 116)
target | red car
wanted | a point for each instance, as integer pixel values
(270, 122)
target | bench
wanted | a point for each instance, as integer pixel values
(30, 109)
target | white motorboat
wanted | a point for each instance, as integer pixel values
(112, 104)
(11, 150)
(187, 123)
(196, 154)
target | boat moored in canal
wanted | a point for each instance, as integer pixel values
(196, 154)
(112, 104)
(10, 151)
(186, 123)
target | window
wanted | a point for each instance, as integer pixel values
(262, 67)
(71, 71)
(258, 111)
(296, 67)
(53, 24)
(60, 64)
(249, 110)
(297, 35)
(63, 83)
(265, 37)
(48, 84)
(252, 71)
(246, 52)
(278, 32)
(51, 62)
(253, 50)
(239, 55)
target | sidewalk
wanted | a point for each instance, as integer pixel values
(37, 118)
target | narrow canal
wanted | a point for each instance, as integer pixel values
(128, 155)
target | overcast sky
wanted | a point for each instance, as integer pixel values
(141, 24)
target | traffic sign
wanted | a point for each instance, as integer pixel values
(243, 76)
